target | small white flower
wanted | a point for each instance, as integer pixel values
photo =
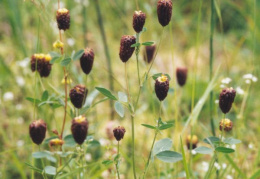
(103, 142)
(8, 96)
(105, 174)
(217, 166)
(88, 157)
(205, 166)
(193, 152)
(217, 101)
(23, 63)
(251, 146)
(226, 80)
(222, 86)
(20, 143)
(229, 177)
(254, 79)
(71, 41)
(248, 76)
(224, 165)
(239, 90)
(233, 146)
(248, 81)
(20, 81)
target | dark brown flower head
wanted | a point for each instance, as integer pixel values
(86, 60)
(138, 21)
(192, 142)
(37, 130)
(56, 142)
(78, 95)
(226, 98)
(164, 11)
(126, 51)
(149, 53)
(119, 132)
(63, 19)
(41, 63)
(181, 75)
(227, 124)
(79, 129)
(161, 87)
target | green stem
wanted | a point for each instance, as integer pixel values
(211, 166)
(138, 70)
(212, 25)
(133, 145)
(117, 168)
(150, 154)
(84, 24)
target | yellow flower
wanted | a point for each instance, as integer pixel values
(58, 44)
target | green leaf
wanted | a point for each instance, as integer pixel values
(211, 140)
(165, 126)
(36, 101)
(39, 154)
(136, 45)
(148, 43)
(169, 156)
(54, 54)
(78, 54)
(148, 126)
(55, 59)
(256, 175)
(231, 141)
(155, 76)
(33, 168)
(117, 157)
(162, 145)
(106, 92)
(119, 109)
(69, 141)
(65, 62)
(45, 95)
(224, 150)
(107, 162)
(50, 170)
(122, 97)
(184, 160)
(203, 150)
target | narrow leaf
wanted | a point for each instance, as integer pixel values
(203, 150)
(135, 45)
(45, 95)
(148, 43)
(106, 92)
(169, 156)
(119, 109)
(78, 54)
(148, 126)
(224, 150)
(165, 126)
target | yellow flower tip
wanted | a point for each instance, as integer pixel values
(79, 119)
(55, 142)
(193, 140)
(226, 122)
(63, 11)
(58, 44)
(162, 78)
(69, 81)
(47, 57)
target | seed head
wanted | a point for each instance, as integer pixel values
(41, 63)
(78, 95)
(149, 53)
(226, 98)
(56, 142)
(37, 130)
(63, 19)
(192, 140)
(161, 87)
(119, 132)
(126, 51)
(86, 60)
(138, 21)
(181, 75)
(164, 11)
(79, 129)
(227, 124)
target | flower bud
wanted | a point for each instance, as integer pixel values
(226, 98)
(138, 21)
(56, 142)
(164, 11)
(37, 130)
(63, 19)
(149, 53)
(227, 124)
(58, 44)
(41, 63)
(79, 129)
(86, 60)
(192, 142)
(126, 51)
(78, 95)
(161, 87)
(181, 75)
(119, 132)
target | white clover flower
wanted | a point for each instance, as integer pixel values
(239, 90)
(226, 80)
(20, 81)
(71, 41)
(8, 96)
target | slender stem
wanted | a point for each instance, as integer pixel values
(211, 166)
(117, 168)
(136, 3)
(212, 25)
(223, 127)
(155, 135)
(133, 145)
(138, 70)
(84, 24)
(127, 87)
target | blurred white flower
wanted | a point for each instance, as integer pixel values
(193, 152)
(233, 146)
(250, 146)
(248, 76)
(222, 86)
(105, 174)
(217, 166)
(23, 63)
(254, 79)
(217, 101)
(88, 157)
(20, 81)
(20, 143)
(8, 96)
(248, 81)
(226, 80)
(71, 41)
(239, 90)
(229, 177)
(205, 166)
(20, 120)
(103, 141)
(224, 165)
